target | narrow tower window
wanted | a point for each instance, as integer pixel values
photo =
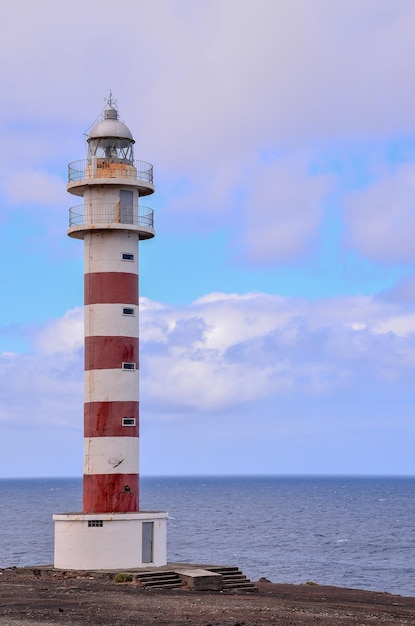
(128, 311)
(128, 366)
(127, 256)
(128, 421)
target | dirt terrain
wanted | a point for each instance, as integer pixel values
(31, 596)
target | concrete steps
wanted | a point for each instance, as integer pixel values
(233, 579)
(159, 580)
(230, 578)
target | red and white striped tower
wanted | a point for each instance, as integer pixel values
(111, 221)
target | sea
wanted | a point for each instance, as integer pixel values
(356, 532)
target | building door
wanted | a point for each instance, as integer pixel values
(126, 207)
(147, 541)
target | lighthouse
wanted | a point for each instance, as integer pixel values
(111, 532)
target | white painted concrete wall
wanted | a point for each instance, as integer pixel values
(111, 455)
(103, 251)
(107, 320)
(111, 385)
(115, 545)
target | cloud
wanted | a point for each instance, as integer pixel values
(214, 87)
(380, 218)
(271, 208)
(216, 96)
(243, 349)
(45, 385)
(286, 69)
(282, 214)
(287, 72)
(233, 371)
(35, 187)
(402, 292)
(63, 335)
(258, 128)
(225, 351)
(41, 391)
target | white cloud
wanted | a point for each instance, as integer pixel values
(283, 212)
(287, 68)
(238, 350)
(63, 335)
(224, 362)
(287, 71)
(271, 208)
(41, 390)
(380, 218)
(238, 116)
(226, 350)
(211, 99)
(46, 384)
(35, 188)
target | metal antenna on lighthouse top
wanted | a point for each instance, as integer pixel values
(110, 111)
(111, 101)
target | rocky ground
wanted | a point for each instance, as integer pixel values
(51, 598)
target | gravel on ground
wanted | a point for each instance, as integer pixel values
(54, 598)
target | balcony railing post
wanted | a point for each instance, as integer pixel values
(141, 170)
(104, 213)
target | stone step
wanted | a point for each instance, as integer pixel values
(243, 586)
(155, 576)
(223, 569)
(164, 585)
(157, 582)
(239, 584)
(165, 580)
(233, 579)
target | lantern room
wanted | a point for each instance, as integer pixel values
(111, 139)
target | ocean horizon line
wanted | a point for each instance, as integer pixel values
(225, 475)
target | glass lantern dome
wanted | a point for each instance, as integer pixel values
(111, 139)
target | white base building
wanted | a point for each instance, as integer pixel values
(110, 540)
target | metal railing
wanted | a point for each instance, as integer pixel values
(105, 213)
(110, 168)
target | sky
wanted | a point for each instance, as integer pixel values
(277, 322)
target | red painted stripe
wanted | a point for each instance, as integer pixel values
(104, 419)
(110, 288)
(110, 493)
(104, 353)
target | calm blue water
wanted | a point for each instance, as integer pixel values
(351, 532)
